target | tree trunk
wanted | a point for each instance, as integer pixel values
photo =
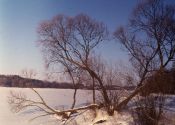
(74, 98)
(93, 82)
(125, 102)
(105, 95)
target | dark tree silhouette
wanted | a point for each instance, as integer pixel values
(70, 41)
(149, 39)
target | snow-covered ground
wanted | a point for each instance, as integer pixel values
(100, 117)
(62, 98)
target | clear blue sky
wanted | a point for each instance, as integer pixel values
(19, 20)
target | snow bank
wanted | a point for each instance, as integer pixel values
(100, 117)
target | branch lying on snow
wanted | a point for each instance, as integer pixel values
(91, 106)
(19, 102)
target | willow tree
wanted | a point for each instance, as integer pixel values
(149, 38)
(70, 41)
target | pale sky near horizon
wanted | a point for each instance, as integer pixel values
(19, 20)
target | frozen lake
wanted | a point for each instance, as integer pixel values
(54, 97)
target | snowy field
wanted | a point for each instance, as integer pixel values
(54, 97)
(62, 98)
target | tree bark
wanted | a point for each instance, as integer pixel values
(93, 83)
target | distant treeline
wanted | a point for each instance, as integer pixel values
(17, 81)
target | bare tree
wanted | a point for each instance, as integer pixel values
(149, 39)
(28, 73)
(113, 79)
(71, 41)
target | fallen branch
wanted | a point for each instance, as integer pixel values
(19, 102)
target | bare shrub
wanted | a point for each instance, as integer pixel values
(149, 110)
